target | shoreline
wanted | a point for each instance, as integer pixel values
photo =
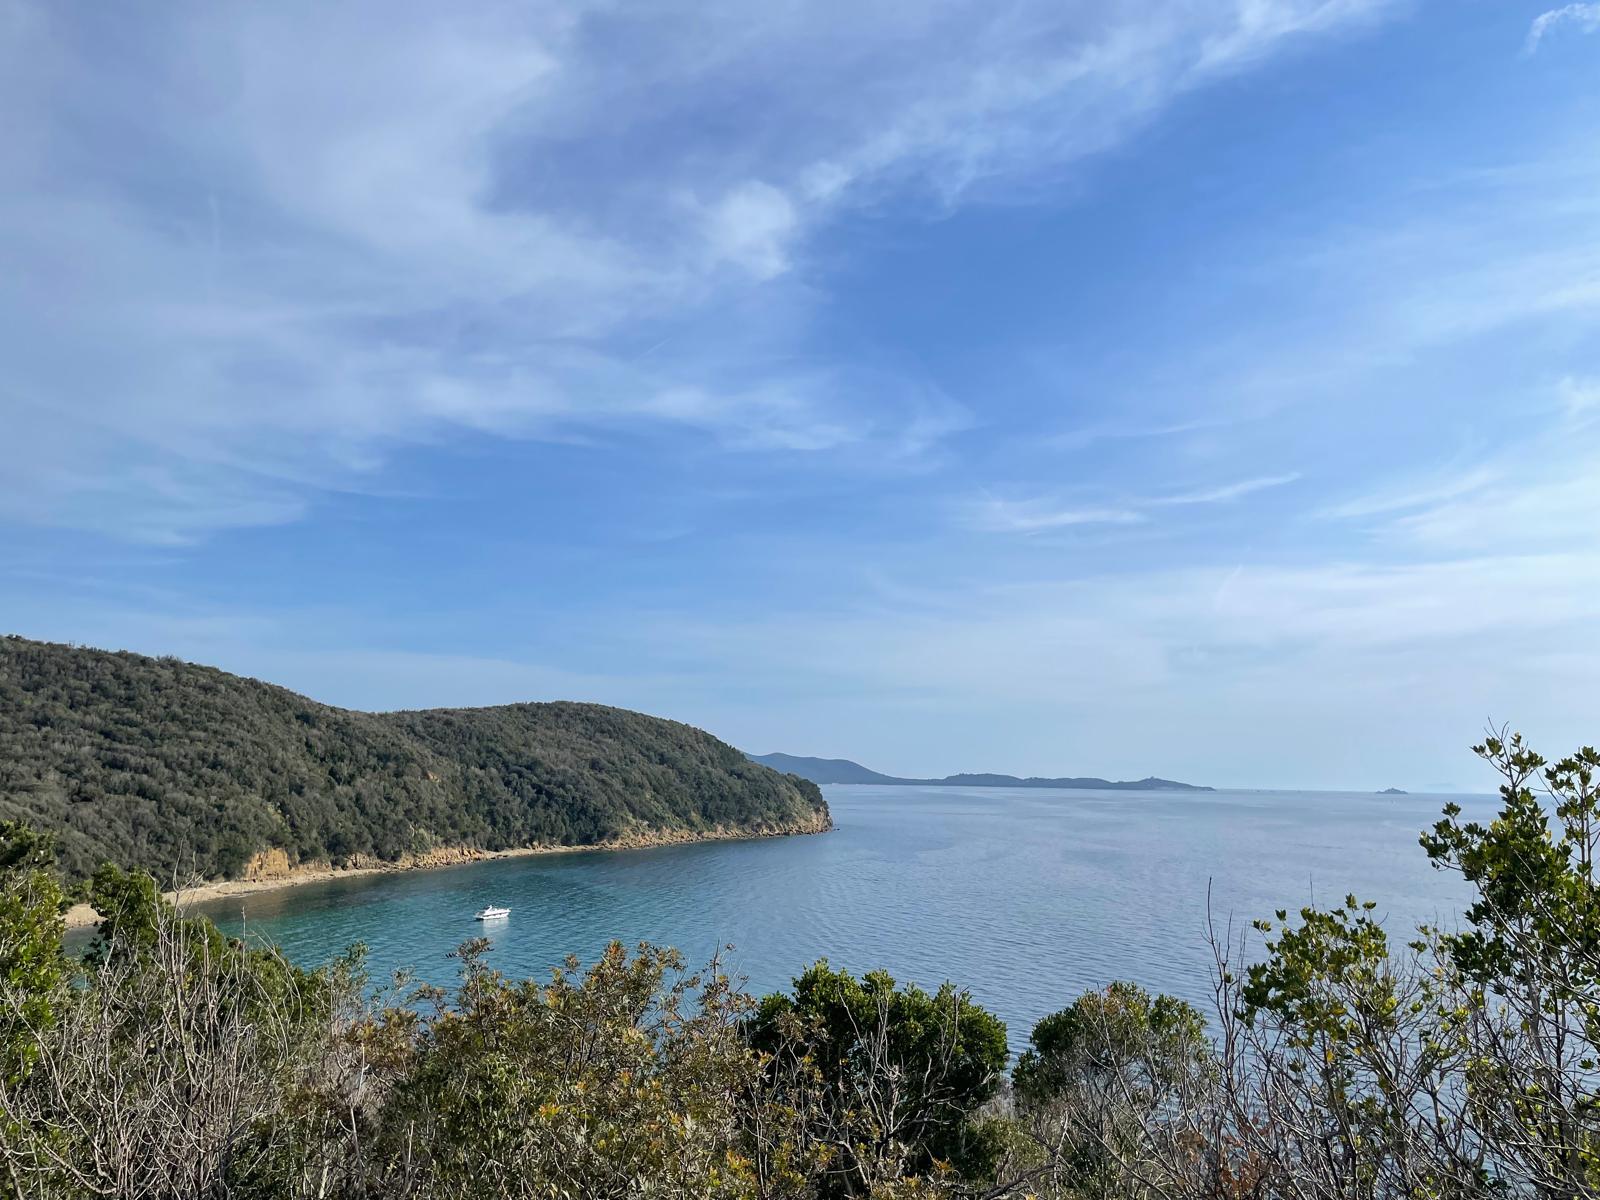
(82, 916)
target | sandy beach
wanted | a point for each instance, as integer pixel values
(81, 916)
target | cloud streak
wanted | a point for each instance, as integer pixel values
(1228, 491)
(993, 514)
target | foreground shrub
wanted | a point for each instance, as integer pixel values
(1462, 1063)
(162, 1067)
(1108, 1088)
(887, 1081)
(622, 1081)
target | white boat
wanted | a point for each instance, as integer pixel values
(492, 913)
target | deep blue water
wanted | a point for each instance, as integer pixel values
(1026, 897)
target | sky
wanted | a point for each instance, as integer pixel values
(1201, 388)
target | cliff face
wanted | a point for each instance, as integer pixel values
(188, 771)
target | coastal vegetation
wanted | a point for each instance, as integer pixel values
(188, 772)
(170, 1061)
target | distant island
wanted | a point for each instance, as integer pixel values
(1394, 792)
(842, 770)
(189, 772)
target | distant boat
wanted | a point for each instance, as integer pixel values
(492, 913)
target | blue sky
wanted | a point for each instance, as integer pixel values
(1201, 389)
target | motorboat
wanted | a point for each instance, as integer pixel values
(492, 913)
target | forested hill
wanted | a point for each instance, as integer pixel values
(185, 769)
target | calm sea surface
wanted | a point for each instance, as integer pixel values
(1026, 897)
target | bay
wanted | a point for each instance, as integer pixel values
(1027, 897)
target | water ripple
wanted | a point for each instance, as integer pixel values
(1025, 897)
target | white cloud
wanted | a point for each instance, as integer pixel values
(1585, 16)
(252, 251)
(752, 227)
(1261, 26)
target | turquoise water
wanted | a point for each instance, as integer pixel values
(1025, 897)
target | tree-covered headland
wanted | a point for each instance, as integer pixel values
(170, 1061)
(189, 772)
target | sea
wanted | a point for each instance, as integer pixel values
(1024, 897)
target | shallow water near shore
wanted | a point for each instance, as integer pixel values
(1026, 897)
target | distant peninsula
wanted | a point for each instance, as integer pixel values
(1394, 792)
(842, 770)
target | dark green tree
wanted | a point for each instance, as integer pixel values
(891, 1078)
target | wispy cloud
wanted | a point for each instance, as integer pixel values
(1586, 17)
(1228, 491)
(1441, 488)
(1556, 508)
(1539, 494)
(991, 514)
(1580, 397)
(1089, 435)
(442, 227)
(753, 226)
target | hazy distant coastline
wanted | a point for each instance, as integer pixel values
(842, 770)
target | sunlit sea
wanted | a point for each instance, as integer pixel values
(1024, 897)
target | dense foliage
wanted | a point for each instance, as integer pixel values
(186, 771)
(172, 1062)
(893, 1077)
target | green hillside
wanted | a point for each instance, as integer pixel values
(186, 769)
